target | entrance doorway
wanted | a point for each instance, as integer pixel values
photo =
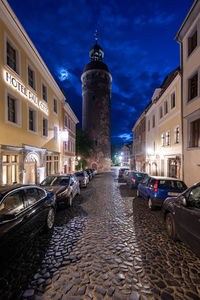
(30, 168)
(94, 166)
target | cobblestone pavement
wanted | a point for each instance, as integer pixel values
(108, 246)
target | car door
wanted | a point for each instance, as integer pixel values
(36, 209)
(143, 185)
(73, 186)
(12, 220)
(187, 219)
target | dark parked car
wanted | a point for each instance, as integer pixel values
(65, 186)
(182, 217)
(24, 210)
(83, 178)
(90, 173)
(121, 173)
(156, 189)
(134, 178)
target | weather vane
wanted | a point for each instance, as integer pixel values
(96, 35)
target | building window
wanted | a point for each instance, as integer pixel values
(166, 107)
(161, 112)
(153, 121)
(162, 139)
(195, 133)
(44, 92)
(192, 42)
(177, 135)
(56, 133)
(56, 164)
(55, 105)
(45, 127)
(10, 169)
(66, 146)
(167, 138)
(193, 87)
(148, 125)
(65, 121)
(173, 100)
(48, 165)
(12, 109)
(32, 119)
(12, 56)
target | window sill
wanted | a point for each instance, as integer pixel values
(193, 148)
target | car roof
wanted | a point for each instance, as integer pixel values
(165, 178)
(10, 187)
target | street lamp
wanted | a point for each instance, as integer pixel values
(79, 159)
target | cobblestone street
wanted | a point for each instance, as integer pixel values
(108, 246)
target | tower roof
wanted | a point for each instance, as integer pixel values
(96, 65)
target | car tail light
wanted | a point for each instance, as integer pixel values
(133, 180)
(155, 187)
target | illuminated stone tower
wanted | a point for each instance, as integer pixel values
(96, 92)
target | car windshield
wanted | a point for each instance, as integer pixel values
(54, 180)
(61, 180)
(79, 174)
(172, 184)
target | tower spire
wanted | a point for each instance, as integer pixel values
(96, 52)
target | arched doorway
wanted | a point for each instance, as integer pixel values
(94, 166)
(31, 162)
(154, 169)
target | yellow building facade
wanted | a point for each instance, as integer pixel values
(169, 128)
(32, 108)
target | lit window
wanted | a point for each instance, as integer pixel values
(163, 139)
(167, 138)
(177, 135)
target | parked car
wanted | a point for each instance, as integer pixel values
(182, 217)
(94, 171)
(90, 174)
(134, 178)
(121, 172)
(83, 178)
(156, 189)
(66, 187)
(126, 175)
(24, 210)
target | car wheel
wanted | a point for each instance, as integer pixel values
(50, 219)
(138, 193)
(150, 204)
(170, 226)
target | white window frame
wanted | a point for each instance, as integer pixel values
(19, 109)
(163, 139)
(43, 83)
(18, 55)
(55, 132)
(36, 119)
(44, 118)
(175, 135)
(29, 65)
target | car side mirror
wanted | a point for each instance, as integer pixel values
(183, 201)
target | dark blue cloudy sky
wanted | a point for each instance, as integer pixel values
(137, 37)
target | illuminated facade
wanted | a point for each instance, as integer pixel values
(188, 38)
(32, 108)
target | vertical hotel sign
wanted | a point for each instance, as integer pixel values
(18, 86)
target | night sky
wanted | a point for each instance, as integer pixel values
(137, 37)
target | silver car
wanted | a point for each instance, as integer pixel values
(83, 178)
(65, 187)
